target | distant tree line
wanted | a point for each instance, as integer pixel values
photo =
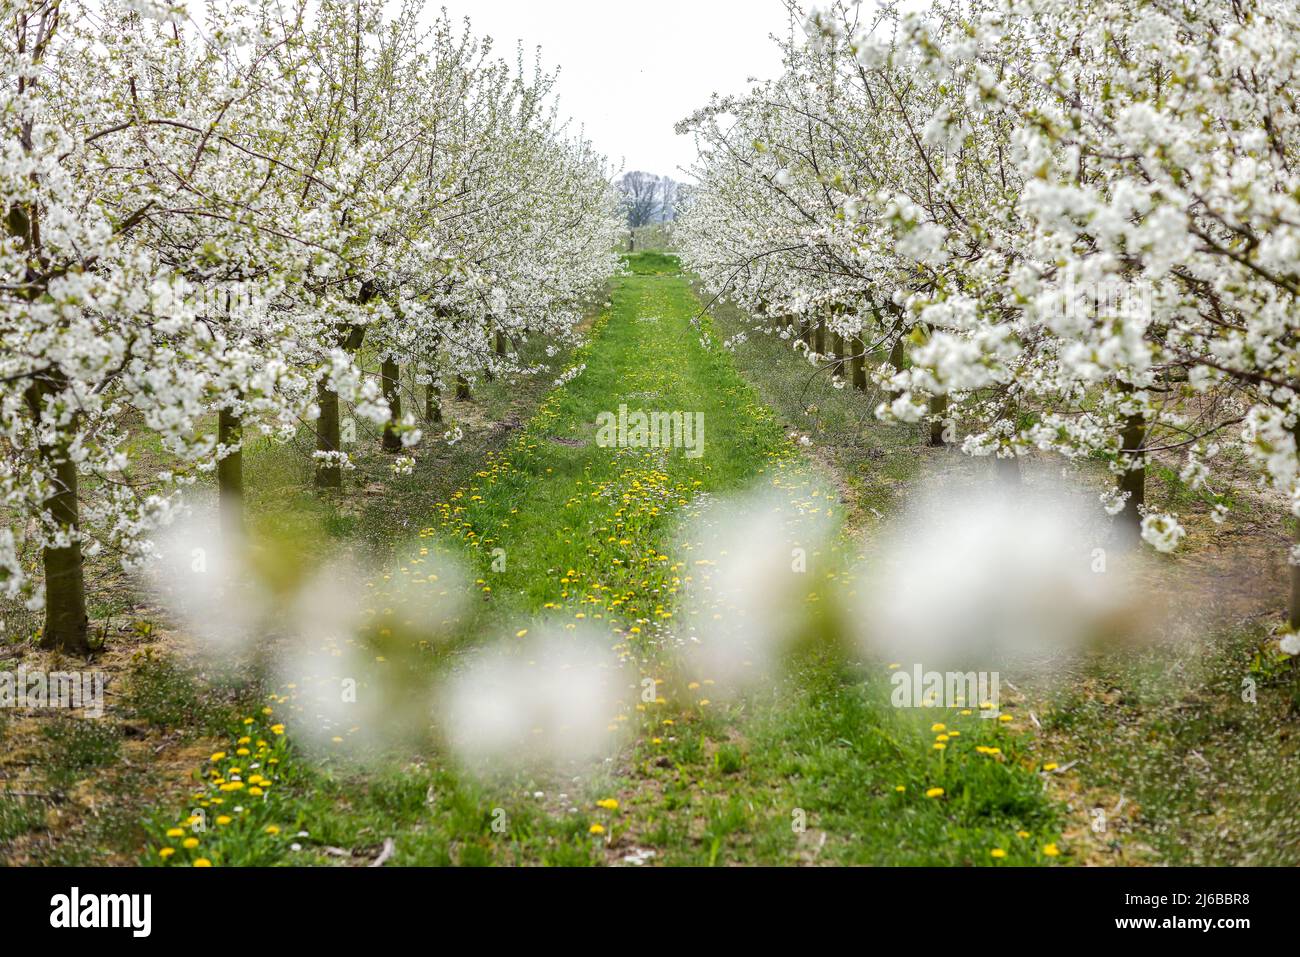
(648, 199)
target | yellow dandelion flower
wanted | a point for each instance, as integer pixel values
(609, 804)
(1051, 850)
(934, 793)
(166, 852)
(190, 842)
(202, 862)
(596, 829)
(997, 852)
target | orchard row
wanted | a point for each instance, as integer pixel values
(224, 226)
(1037, 224)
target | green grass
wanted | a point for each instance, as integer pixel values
(74, 746)
(555, 501)
(808, 770)
(652, 263)
(1206, 770)
(815, 777)
(169, 697)
(18, 815)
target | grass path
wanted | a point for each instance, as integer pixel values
(815, 767)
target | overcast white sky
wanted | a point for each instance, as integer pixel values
(629, 71)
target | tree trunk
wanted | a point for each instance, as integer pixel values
(1134, 480)
(389, 375)
(498, 349)
(67, 626)
(897, 355)
(328, 474)
(819, 338)
(462, 388)
(1294, 607)
(230, 476)
(432, 402)
(938, 413)
(1295, 587)
(858, 364)
(837, 350)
